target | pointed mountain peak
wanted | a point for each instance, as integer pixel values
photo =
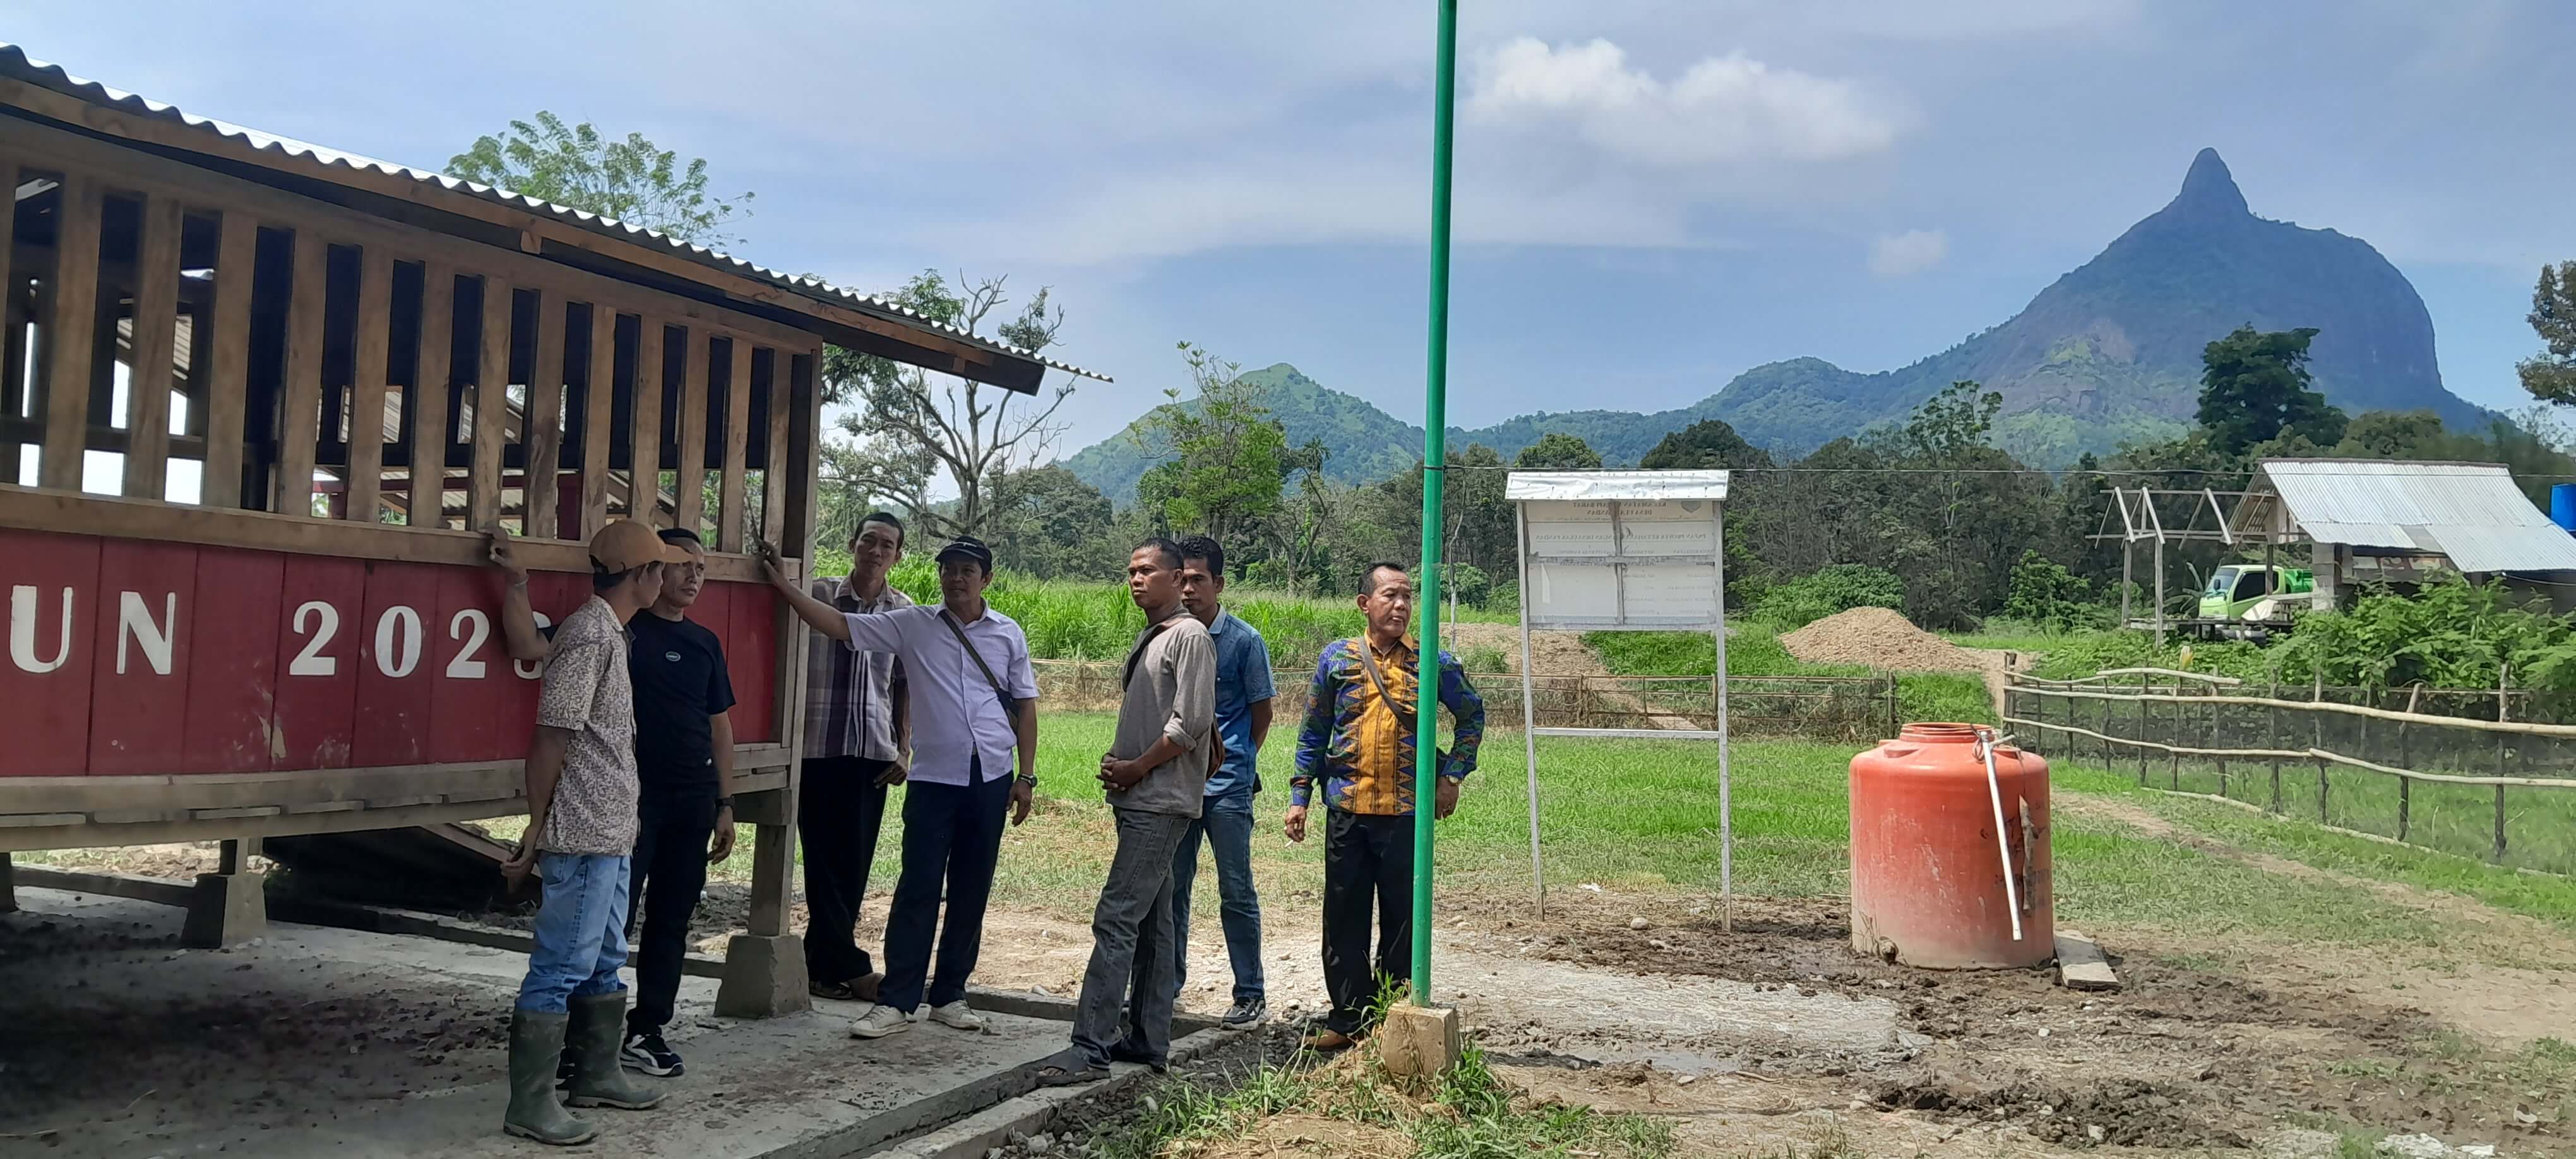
(2209, 189)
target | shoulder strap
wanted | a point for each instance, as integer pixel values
(1368, 663)
(999, 692)
(1137, 654)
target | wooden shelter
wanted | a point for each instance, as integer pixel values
(259, 401)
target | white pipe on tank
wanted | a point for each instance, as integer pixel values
(2003, 845)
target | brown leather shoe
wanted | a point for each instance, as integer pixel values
(1325, 1040)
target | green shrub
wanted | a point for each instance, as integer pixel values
(1796, 603)
(2045, 593)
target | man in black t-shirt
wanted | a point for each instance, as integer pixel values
(684, 761)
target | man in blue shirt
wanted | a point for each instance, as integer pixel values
(1243, 695)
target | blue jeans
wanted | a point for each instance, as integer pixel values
(580, 930)
(1227, 823)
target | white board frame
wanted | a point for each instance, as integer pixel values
(1617, 563)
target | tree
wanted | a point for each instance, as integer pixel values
(2254, 388)
(1709, 444)
(1224, 456)
(913, 431)
(1558, 451)
(2551, 376)
(577, 167)
(2044, 592)
(1049, 523)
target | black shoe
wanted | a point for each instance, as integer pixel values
(647, 1053)
(1247, 1015)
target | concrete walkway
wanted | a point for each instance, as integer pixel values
(116, 1042)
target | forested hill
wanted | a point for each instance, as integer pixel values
(2108, 354)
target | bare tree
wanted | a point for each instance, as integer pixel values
(912, 428)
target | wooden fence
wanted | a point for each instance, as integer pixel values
(1847, 708)
(2489, 786)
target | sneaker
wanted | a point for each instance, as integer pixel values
(647, 1052)
(879, 1022)
(958, 1016)
(1246, 1015)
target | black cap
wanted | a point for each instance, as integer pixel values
(967, 547)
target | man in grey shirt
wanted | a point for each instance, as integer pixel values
(1155, 774)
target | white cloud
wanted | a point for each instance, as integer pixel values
(1719, 110)
(1902, 255)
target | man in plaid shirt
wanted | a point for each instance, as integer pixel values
(858, 741)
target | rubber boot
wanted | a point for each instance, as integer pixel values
(536, 1040)
(598, 1030)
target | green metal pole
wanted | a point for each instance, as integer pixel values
(1435, 458)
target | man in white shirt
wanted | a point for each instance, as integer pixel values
(974, 706)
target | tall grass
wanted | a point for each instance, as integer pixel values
(1754, 650)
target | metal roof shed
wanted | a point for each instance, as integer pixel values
(2471, 513)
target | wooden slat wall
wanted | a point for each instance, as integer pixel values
(491, 403)
(688, 487)
(298, 418)
(542, 424)
(430, 422)
(374, 345)
(599, 395)
(737, 448)
(228, 378)
(72, 326)
(644, 478)
(156, 333)
(775, 479)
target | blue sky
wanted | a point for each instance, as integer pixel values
(1652, 197)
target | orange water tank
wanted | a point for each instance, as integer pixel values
(1928, 878)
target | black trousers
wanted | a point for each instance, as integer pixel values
(670, 871)
(1368, 859)
(952, 836)
(839, 809)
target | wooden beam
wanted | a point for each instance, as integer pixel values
(541, 426)
(688, 488)
(599, 398)
(372, 348)
(71, 330)
(156, 336)
(12, 385)
(644, 460)
(776, 478)
(434, 373)
(737, 449)
(804, 409)
(491, 408)
(227, 375)
(299, 408)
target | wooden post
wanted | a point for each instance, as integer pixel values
(2160, 593)
(374, 343)
(2173, 736)
(2273, 741)
(2216, 735)
(2317, 739)
(598, 396)
(2128, 563)
(2406, 785)
(13, 386)
(156, 333)
(491, 407)
(737, 447)
(2504, 679)
(644, 461)
(541, 427)
(688, 487)
(2144, 687)
(776, 481)
(431, 423)
(228, 371)
(71, 334)
(299, 408)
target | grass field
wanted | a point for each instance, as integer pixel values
(1755, 650)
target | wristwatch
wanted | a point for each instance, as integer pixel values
(1026, 779)
(723, 803)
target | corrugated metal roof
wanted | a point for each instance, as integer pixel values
(1580, 486)
(2470, 512)
(335, 165)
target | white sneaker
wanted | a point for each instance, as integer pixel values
(879, 1022)
(958, 1016)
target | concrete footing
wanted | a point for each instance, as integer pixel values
(764, 977)
(1418, 1041)
(226, 909)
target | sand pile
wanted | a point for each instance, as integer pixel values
(1878, 638)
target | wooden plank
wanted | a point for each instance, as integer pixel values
(232, 666)
(71, 325)
(776, 477)
(299, 408)
(372, 348)
(398, 662)
(32, 509)
(431, 424)
(158, 891)
(2080, 964)
(644, 459)
(227, 374)
(11, 386)
(737, 449)
(688, 485)
(804, 440)
(541, 428)
(491, 408)
(48, 685)
(599, 399)
(156, 336)
(2468, 722)
(140, 649)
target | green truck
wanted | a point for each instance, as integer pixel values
(2237, 590)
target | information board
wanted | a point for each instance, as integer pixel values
(1606, 563)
